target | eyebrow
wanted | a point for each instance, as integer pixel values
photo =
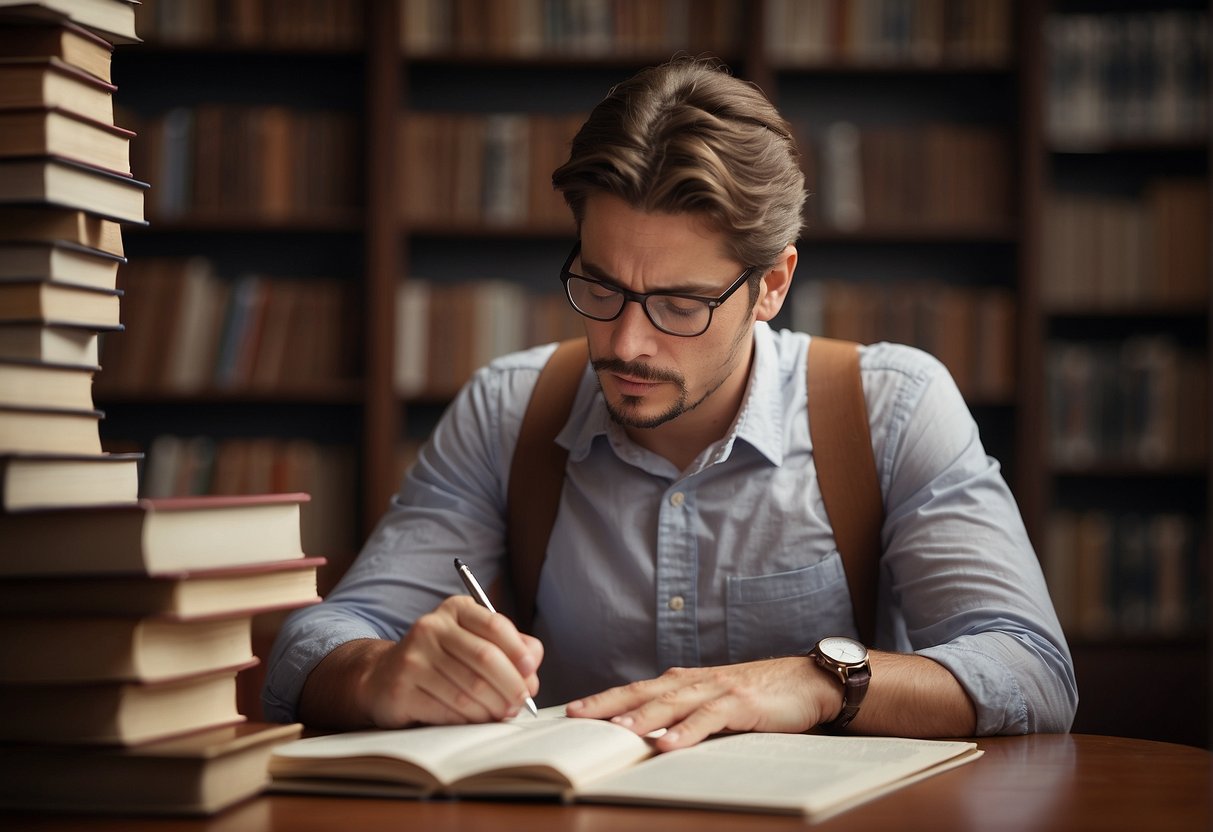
(600, 274)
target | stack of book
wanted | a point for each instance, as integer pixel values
(124, 623)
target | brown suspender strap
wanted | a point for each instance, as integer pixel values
(537, 474)
(842, 451)
(846, 469)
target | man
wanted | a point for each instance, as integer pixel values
(691, 567)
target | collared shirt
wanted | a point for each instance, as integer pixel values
(730, 560)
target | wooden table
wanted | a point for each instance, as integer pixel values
(1041, 782)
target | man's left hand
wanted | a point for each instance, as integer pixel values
(788, 695)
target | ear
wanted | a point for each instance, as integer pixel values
(775, 284)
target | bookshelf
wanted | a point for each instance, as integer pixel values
(241, 367)
(1115, 433)
(955, 111)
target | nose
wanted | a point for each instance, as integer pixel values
(633, 335)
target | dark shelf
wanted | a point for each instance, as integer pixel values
(327, 392)
(860, 68)
(337, 222)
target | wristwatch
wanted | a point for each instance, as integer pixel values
(847, 659)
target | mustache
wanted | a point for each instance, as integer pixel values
(643, 372)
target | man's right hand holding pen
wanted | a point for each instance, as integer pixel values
(459, 663)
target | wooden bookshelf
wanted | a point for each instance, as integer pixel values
(1094, 285)
(256, 149)
(387, 82)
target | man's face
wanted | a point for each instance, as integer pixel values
(650, 378)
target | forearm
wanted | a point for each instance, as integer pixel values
(913, 696)
(331, 696)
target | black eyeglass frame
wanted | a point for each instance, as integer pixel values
(642, 297)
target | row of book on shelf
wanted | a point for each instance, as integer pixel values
(268, 162)
(445, 332)
(1128, 252)
(889, 31)
(189, 330)
(1134, 573)
(320, 24)
(1143, 75)
(472, 169)
(527, 28)
(971, 329)
(126, 623)
(1143, 401)
(915, 176)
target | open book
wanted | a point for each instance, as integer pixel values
(596, 761)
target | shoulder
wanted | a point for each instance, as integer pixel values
(509, 380)
(914, 408)
(889, 362)
(896, 375)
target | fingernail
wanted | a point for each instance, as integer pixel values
(625, 721)
(576, 704)
(670, 738)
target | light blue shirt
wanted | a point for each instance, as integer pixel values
(730, 560)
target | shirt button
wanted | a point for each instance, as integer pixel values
(677, 499)
(677, 603)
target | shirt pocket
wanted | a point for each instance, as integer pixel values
(786, 613)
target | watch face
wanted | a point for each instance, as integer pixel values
(843, 650)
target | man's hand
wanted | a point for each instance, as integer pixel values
(788, 695)
(458, 664)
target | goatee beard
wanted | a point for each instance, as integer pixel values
(623, 414)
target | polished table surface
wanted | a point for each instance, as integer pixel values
(1040, 782)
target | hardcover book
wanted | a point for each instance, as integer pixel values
(41, 430)
(179, 596)
(153, 536)
(43, 342)
(35, 300)
(59, 262)
(112, 19)
(42, 480)
(68, 184)
(73, 45)
(27, 384)
(49, 82)
(118, 713)
(48, 224)
(197, 774)
(78, 648)
(43, 132)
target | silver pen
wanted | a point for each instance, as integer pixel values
(473, 585)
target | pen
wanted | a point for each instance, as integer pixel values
(469, 580)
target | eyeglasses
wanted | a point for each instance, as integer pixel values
(671, 312)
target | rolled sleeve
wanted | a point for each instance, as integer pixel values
(967, 586)
(451, 504)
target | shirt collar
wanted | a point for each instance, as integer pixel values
(759, 423)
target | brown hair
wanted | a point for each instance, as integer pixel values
(688, 137)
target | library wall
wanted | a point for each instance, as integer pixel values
(351, 211)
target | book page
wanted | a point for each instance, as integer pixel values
(562, 751)
(525, 755)
(409, 755)
(795, 773)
